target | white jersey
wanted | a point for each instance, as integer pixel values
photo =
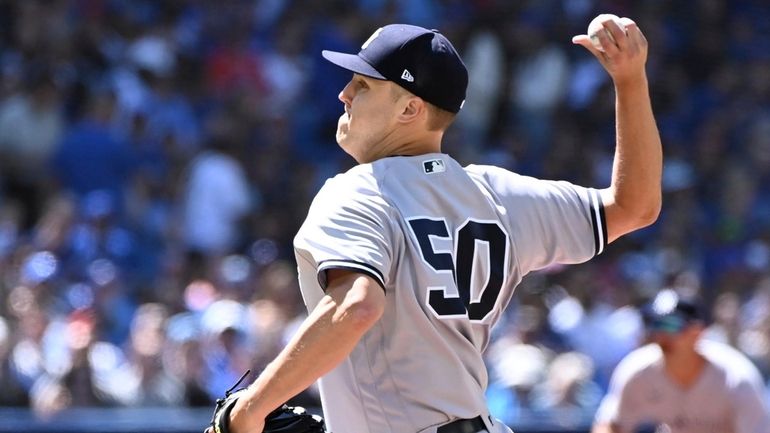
(726, 398)
(448, 245)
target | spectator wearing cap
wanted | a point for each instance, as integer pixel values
(682, 381)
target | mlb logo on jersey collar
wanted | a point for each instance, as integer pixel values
(434, 166)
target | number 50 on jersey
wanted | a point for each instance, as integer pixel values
(480, 255)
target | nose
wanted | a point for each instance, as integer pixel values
(346, 95)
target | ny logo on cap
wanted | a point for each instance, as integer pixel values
(406, 75)
(371, 38)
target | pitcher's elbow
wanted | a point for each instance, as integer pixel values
(653, 214)
(649, 214)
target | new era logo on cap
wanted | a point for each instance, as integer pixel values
(421, 61)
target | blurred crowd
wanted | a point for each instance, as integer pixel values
(157, 158)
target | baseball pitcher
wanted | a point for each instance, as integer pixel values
(407, 260)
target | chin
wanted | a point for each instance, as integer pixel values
(343, 142)
(342, 139)
(348, 148)
(342, 132)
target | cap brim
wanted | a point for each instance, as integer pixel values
(353, 63)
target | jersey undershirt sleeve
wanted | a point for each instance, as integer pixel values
(347, 227)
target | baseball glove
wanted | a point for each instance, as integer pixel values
(285, 419)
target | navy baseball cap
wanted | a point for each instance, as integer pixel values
(669, 313)
(421, 61)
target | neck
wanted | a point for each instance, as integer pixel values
(429, 142)
(420, 146)
(684, 368)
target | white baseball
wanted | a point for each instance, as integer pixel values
(596, 25)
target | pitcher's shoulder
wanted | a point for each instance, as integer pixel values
(489, 170)
(495, 175)
(359, 178)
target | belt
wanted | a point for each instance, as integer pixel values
(463, 426)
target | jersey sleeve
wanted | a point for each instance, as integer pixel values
(347, 227)
(551, 221)
(751, 413)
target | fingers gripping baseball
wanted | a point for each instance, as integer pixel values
(618, 44)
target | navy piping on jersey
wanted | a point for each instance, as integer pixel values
(604, 220)
(349, 265)
(597, 220)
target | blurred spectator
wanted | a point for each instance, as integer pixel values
(603, 332)
(484, 57)
(144, 381)
(228, 345)
(568, 390)
(13, 394)
(518, 362)
(92, 156)
(170, 117)
(78, 379)
(234, 65)
(726, 326)
(538, 84)
(29, 358)
(285, 68)
(217, 198)
(31, 124)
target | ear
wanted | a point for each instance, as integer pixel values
(412, 109)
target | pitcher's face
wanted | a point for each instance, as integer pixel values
(369, 116)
